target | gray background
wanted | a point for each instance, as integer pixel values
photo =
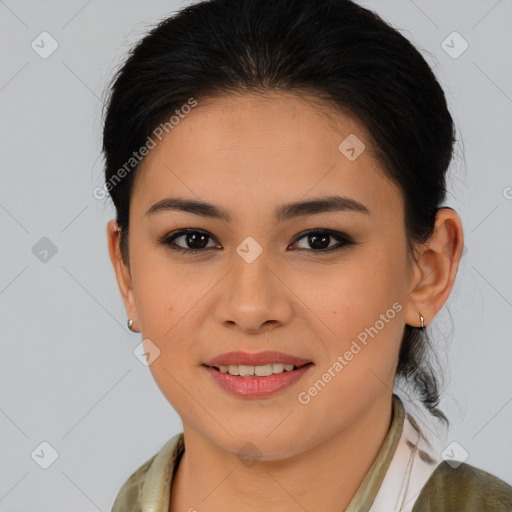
(68, 375)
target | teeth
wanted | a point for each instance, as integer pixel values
(260, 371)
(245, 371)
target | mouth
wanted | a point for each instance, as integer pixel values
(256, 375)
(266, 370)
(257, 381)
(251, 359)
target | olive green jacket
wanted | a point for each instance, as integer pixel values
(406, 476)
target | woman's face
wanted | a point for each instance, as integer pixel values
(257, 282)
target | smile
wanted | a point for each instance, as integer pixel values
(256, 381)
(265, 370)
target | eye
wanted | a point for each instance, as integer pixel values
(319, 240)
(195, 239)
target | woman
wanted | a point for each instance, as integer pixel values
(278, 173)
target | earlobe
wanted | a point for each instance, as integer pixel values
(436, 266)
(121, 270)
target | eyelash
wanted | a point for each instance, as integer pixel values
(342, 238)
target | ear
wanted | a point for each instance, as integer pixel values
(121, 270)
(434, 268)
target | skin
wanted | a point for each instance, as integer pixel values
(247, 154)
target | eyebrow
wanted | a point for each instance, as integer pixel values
(283, 212)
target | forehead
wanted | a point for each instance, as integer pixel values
(249, 150)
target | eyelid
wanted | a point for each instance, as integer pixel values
(342, 238)
(170, 237)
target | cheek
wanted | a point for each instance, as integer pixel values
(170, 307)
(163, 290)
(361, 304)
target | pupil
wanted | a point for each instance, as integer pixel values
(193, 237)
(318, 241)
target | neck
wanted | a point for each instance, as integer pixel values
(324, 477)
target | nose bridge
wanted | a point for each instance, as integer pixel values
(253, 295)
(252, 276)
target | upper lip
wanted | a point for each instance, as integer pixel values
(255, 359)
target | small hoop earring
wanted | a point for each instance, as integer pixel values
(422, 319)
(130, 325)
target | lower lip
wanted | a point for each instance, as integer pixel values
(257, 387)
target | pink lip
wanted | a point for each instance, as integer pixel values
(257, 359)
(257, 387)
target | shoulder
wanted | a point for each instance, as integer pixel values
(463, 488)
(147, 487)
(127, 499)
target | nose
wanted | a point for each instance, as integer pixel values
(254, 297)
